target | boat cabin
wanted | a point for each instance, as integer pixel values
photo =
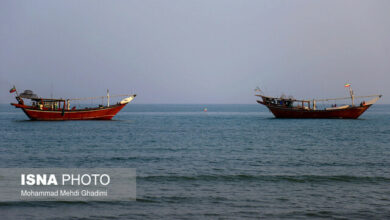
(276, 101)
(49, 104)
(287, 102)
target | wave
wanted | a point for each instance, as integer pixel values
(272, 178)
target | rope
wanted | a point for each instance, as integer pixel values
(99, 97)
(348, 98)
(321, 100)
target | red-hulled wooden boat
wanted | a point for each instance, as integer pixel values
(44, 109)
(292, 108)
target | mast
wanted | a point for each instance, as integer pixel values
(16, 91)
(352, 95)
(108, 98)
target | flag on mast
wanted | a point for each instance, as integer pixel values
(12, 90)
(257, 89)
(347, 85)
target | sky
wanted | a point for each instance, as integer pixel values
(195, 51)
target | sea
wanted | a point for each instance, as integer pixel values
(231, 162)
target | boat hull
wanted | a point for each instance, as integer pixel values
(105, 113)
(347, 113)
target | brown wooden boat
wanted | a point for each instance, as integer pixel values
(44, 109)
(293, 108)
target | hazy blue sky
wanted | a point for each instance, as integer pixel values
(200, 51)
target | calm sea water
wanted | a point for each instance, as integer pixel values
(234, 161)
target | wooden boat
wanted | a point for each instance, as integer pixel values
(45, 109)
(293, 108)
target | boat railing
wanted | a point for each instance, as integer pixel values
(55, 104)
(312, 104)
